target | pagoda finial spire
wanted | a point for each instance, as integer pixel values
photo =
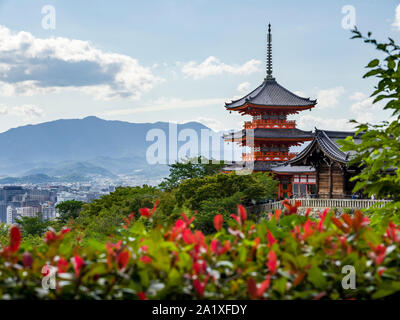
(269, 53)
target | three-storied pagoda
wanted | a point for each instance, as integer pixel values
(270, 134)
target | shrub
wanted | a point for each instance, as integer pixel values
(287, 256)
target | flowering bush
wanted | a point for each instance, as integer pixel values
(287, 256)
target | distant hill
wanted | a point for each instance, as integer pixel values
(82, 148)
(74, 168)
(41, 178)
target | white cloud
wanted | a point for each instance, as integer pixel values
(357, 96)
(30, 65)
(396, 22)
(329, 98)
(309, 122)
(299, 93)
(244, 87)
(26, 111)
(213, 66)
(364, 105)
(164, 103)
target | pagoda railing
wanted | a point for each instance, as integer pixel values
(329, 203)
(268, 156)
(270, 124)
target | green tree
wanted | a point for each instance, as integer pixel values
(69, 210)
(189, 169)
(34, 226)
(378, 154)
(102, 216)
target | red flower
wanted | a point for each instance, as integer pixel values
(27, 260)
(200, 286)
(49, 237)
(78, 263)
(65, 230)
(391, 232)
(200, 266)
(15, 239)
(146, 259)
(123, 259)
(255, 292)
(187, 221)
(145, 212)
(188, 236)
(378, 253)
(308, 229)
(218, 220)
(242, 213)
(289, 208)
(237, 218)
(272, 263)
(271, 239)
(322, 219)
(381, 270)
(278, 214)
(62, 265)
(142, 296)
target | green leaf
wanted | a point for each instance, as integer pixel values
(373, 63)
(316, 277)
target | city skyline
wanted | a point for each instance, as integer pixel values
(186, 63)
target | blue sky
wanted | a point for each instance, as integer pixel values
(148, 61)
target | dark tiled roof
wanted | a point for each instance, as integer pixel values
(286, 168)
(274, 166)
(270, 134)
(271, 93)
(326, 142)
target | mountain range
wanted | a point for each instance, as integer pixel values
(80, 149)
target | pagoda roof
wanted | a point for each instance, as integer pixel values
(326, 141)
(260, 133)
(271, 93)
(276, 167)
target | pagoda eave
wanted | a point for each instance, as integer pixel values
(281, 140)
(254, 109)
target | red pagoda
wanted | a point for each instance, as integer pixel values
(270, 134)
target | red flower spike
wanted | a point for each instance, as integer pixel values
(65, 230)
(50, 237)
(145, 212)
(299, 279)
(242, 213)
(200, 286)
(237, 219)
(308, 212)
(188, 236)
(15, 239)
(146, 259)
(264, 286)
(272, 263)
(27, 260)
(215, 245)
(381, 270)
(252, 288)
(391, 232)
(271, 239)
(142, 296)
(123, 259)
(78, 263)
(62, 265)
(218, 220)
(278, 214)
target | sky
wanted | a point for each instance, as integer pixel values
(149, 61)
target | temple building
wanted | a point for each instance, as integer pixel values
(270, 134)
(332, 170)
